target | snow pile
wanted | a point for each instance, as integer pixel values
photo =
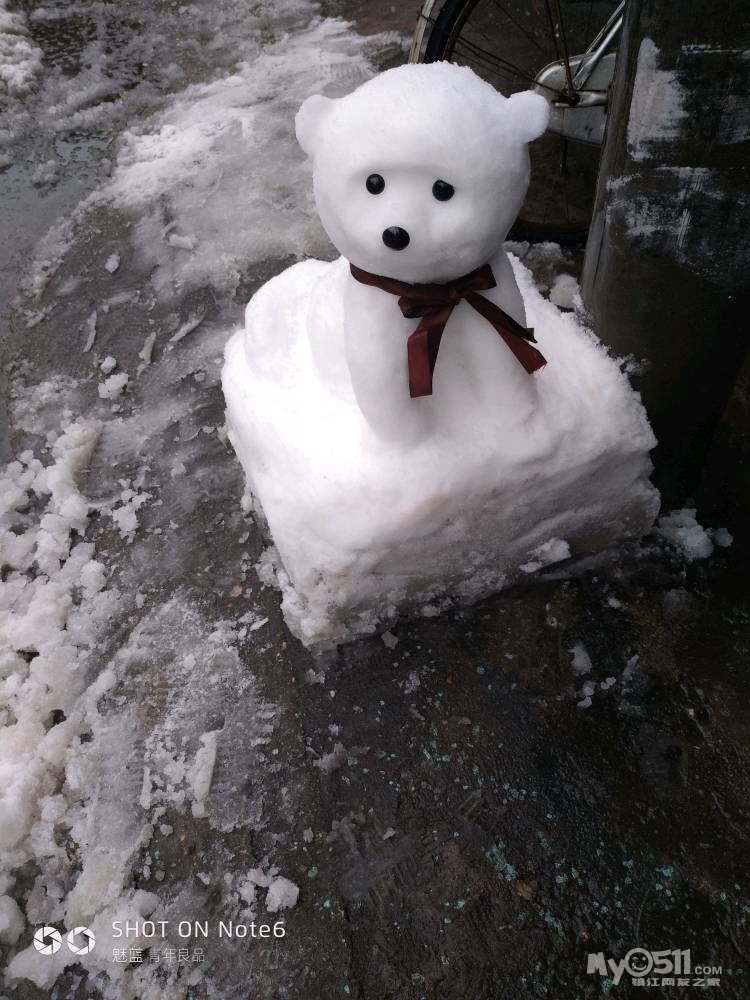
(53, 609)
(20, 59)
(90, 759)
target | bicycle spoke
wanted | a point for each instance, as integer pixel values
(552, 31)
(565, 178)
(489, 58)
(566, 54)
(501, 67)
(528, 34)
(486, 55)
(474, 59)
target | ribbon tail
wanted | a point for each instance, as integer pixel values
(422, 350)
(517, 337)
(531, 359)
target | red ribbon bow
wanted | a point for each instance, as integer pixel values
(435, 303)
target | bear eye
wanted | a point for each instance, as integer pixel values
(443, 191)
(375, 184)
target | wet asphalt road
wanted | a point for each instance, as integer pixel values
(480, 833)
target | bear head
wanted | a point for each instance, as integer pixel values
(420, 172)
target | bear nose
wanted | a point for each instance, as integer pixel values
(396, 238)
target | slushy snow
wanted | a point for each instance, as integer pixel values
(79, 625)
(378, 503)
(20, 59)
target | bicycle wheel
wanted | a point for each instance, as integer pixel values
(507, 42)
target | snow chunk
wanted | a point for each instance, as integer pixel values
(148, 348)
(108, 365)
(182, 242)
(12, 920)
(46, 174)
(587, 691)
(93, 577)
(581, 663)
(126, 515)
(389, 640)
(112, 387)
(721, 537)
(253, 621)
(555, 550)
(112, 263)
(564, 291)
(282, 895)
(90, 332)
(682, 530)
(203, 769)
(190, 324)
(330, 761)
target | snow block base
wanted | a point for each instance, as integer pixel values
(366, 529)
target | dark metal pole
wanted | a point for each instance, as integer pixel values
(667, 272)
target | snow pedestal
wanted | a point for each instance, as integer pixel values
(366, 527)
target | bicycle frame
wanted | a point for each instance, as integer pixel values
(576, 87)
(581, 115)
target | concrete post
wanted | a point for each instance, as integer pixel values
(667, 273)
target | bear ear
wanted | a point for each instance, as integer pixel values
(309, 120)
(529, 114)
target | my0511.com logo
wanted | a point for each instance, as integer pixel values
(670, 967)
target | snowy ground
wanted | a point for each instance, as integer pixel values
(467, 806)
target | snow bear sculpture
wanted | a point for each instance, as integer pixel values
(399, 428)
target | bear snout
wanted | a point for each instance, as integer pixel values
(396, 238)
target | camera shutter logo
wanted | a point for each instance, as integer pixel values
(47, 940)
(81, 940)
